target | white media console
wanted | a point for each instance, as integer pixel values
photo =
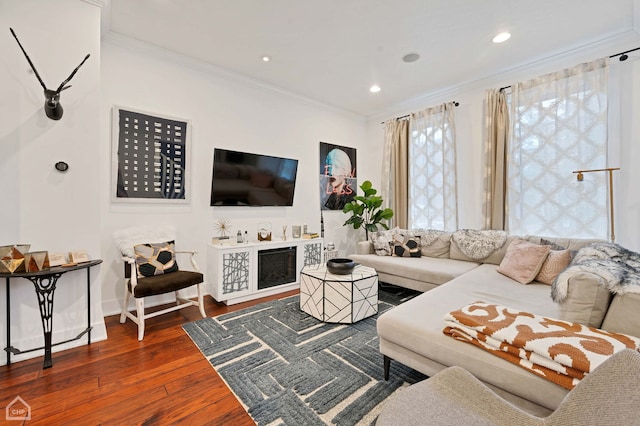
(238, 272)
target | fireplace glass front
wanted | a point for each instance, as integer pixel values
(276, 267)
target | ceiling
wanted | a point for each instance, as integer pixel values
(332, 51)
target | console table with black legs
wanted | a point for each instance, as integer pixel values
(45, 286)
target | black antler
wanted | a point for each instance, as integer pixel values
(52, 106)
(62, 85)
(28, 59)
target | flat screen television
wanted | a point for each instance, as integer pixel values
(245, 179)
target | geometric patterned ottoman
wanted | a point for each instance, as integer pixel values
(339, 298)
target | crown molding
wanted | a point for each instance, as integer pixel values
(142, 47)
(105, 13)
(626, 39)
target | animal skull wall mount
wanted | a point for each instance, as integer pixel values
(52, 106)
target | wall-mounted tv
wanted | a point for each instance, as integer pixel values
(245, 179)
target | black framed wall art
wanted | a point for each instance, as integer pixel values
(150, 157)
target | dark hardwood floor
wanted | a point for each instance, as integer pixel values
(119, 381)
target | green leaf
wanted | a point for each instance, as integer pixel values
(366, 210)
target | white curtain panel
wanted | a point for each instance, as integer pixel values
(559, 125)
(433, 187)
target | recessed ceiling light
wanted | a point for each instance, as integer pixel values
(502, 37)
(374, 89)
(266, 58)
(410, 57)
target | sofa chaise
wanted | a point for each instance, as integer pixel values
(412, 333)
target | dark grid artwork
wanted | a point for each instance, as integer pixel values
(152, 154)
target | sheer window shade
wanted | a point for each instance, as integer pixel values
(559, 124)
(432, 169)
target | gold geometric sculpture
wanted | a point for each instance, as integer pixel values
(12, 258)
(36, 261)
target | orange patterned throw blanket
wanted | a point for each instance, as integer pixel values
(560, 351)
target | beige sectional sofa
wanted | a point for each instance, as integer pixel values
(411, 333)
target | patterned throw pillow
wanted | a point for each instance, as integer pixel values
(555, 263)
(382, 242)
(155, 258)
(406, 246)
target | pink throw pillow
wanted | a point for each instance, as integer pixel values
(523, 260)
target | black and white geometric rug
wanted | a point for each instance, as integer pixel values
(286, 367)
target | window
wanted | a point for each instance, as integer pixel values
(432, 170)
(559, 124)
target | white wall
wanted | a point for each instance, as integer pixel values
(226, 111)
(470, 130)
(40, 206)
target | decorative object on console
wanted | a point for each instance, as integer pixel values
(223, 226)
(609, 170)
(341, 266)
(57, 259)
(52, 107)
(295, 231)
(151, 158)
(367, 211)
(330, 252)
(78, 256)
(264, 231)
(36, 261)
(12, 257)
(337, 176)
(284, 232)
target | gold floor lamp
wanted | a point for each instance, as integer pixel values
(609, 171)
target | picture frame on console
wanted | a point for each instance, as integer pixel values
(150, 157)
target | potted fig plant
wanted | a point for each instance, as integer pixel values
(367, 211)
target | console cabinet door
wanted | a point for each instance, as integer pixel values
(232, 269)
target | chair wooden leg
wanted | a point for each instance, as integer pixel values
(201, 301)
(140, 309)
(125, 305)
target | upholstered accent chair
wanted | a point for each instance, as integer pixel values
(606, 396)
(151, 269)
